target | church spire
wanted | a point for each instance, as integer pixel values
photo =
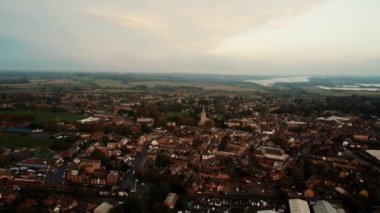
(203, 118)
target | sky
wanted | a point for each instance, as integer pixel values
(301, 37)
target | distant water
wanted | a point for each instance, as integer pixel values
(369, 85)
(273, 81)
(356, 87)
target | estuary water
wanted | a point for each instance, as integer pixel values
(272, 81)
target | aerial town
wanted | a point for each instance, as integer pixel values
(187, 151)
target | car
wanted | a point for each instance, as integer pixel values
(104, 193)
(123, 194)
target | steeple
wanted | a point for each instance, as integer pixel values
(203, 119)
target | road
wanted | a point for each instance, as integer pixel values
(58, 176)
(362, 160)
(129, 181)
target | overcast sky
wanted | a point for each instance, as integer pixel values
(300, 37)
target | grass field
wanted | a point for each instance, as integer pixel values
(45, 115)
(204, 86)
(45, 154)
(110, 83)
(16, 140)
(319, 91)
(41, 84)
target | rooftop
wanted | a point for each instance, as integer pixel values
(375, 153)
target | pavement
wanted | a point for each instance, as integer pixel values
(58, 176)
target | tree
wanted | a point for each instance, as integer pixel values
(162, 160)
(145, 128)
(314, 169)
(148, 110)
(117, 209)
(280, 141)
(132, 204)
(296, 177)
(223, 143)
(158, 192)
(98, 155)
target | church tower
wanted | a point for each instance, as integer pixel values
(203, 119)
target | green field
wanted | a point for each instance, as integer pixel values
(16, 140)
(110, 83)
(340, 93)
(45, 154)
(45, 115)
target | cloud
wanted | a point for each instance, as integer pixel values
(124, 20)
(138, 35)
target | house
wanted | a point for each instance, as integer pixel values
(112, 177)
(90, 172)
(90, 166)
(322, 206)
(232, 123)
(171, 200)
(298, 206)
(112, 145)
(275, 175)
(97, 179)
(309, 193)
(363, 193)
(33, 163)
(103, 208)
(146, 121)
(361, 138)
(75, 176)
(341, 191)
(88, 120)
(97, 135)
(272, 158)
(295, 123)
(171, 124)
(6, 174)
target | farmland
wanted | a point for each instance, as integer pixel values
(45, 116)
(17, 140)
